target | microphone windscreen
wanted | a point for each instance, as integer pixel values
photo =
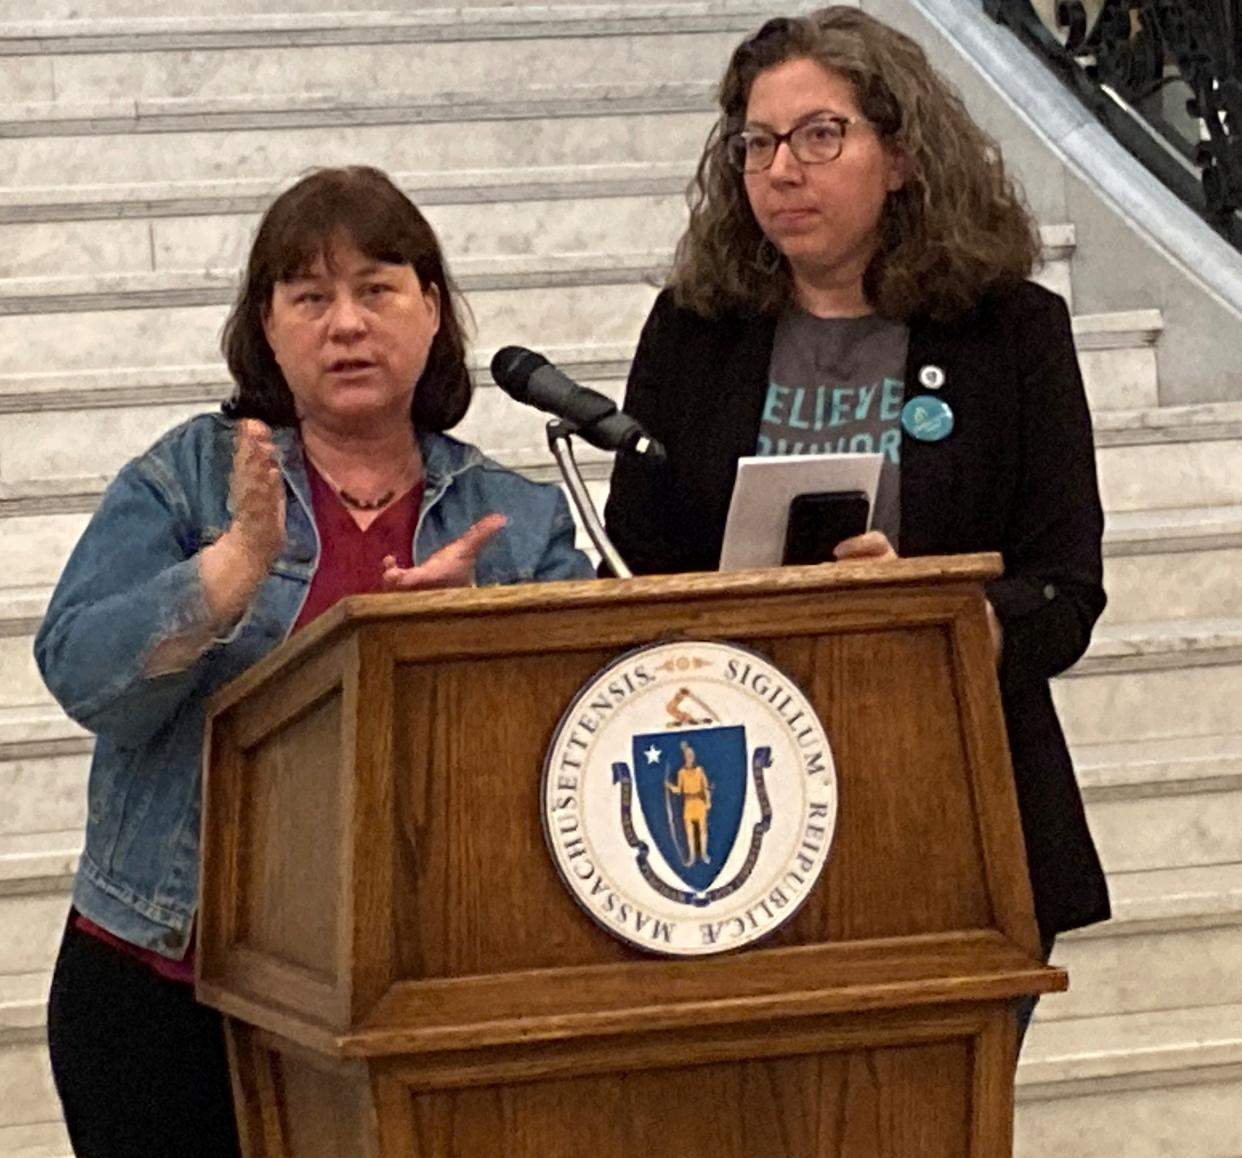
(512, 367)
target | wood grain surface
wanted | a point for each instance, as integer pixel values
(408, 977)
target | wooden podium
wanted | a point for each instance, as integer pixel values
(406, 976)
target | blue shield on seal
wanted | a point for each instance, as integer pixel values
(692, 786)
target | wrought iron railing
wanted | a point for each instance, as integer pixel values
(1165, 76)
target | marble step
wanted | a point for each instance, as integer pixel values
(46, 540)
(59, 16)
(1164, 803)
(36, 871)
(48, 440)
(35, 539)
(35, 875)
(1173, 563)
(208, 383)
(1154, 681)
(1175, 941)
(109, 342)
(1137, 682)
(467, 230)
(1191, 458)
(1139, 1085)
(58, 460)
(233, 196)
(44, 758)
(1117, 353)
(41, 1140)
(1095, 1056)
(550, 213)
(40, 524)
(511, 266)
(1152, 804)
(110, 416)
(110, 143)
(1133, 445)
(1159, 565)
(23, 1001)
(147, 321)
(1142, 1086)
(1174, 456)
(21, 685)
(29, 1111)
(285, 58)
(45, 445)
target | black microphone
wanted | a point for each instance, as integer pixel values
(530, 378)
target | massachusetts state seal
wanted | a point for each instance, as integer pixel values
(690, 798)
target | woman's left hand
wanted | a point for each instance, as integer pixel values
(451, 566)
(874, 545)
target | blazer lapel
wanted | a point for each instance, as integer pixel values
(930, 478)
(731, 397)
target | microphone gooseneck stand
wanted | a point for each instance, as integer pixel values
(559, 432)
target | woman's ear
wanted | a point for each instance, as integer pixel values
(900, 165)
(431, 296)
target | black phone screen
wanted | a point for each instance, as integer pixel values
(819, 521)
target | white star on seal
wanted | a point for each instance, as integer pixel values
(653, 755)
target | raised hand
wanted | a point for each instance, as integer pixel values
(257, 494)
(451, 566)
(234, 566)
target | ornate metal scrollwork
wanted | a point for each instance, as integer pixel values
(1129, 51)
(1136, 48)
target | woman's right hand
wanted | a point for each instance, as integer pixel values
(232, 568)
(257, 495)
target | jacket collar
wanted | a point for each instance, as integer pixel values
(444, 459)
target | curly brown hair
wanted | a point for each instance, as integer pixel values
(956, 228)
(363, 205)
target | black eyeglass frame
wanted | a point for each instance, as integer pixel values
(738, 161)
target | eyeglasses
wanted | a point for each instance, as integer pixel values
(813, 143)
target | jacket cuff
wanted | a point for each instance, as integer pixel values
(1015, 596)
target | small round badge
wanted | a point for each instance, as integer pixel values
(931, 377)
(926, 418)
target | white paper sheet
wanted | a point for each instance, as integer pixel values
(759, 510)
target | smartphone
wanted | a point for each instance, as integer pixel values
(821, 520)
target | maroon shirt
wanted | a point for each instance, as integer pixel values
(351, 562)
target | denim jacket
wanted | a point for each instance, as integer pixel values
(132, 583)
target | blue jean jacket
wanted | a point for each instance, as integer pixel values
(132, 583)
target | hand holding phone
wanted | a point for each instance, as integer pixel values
(820, 520)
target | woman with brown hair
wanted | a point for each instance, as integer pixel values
(328, 474)
(854, 278)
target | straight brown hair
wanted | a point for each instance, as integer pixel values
(360, 205)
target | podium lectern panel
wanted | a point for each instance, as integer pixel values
(406, 974)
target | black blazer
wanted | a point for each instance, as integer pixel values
(1017, 475)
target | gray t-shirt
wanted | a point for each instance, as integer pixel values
(835, 386)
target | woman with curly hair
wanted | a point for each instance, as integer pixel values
(854, 278)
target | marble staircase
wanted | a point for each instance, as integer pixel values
(549, 145)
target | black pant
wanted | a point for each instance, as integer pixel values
(140, 1066)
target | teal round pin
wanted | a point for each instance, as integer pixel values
(927, 418)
